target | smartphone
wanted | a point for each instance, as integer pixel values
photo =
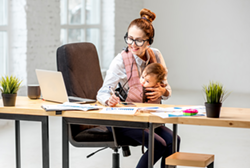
(129, 104)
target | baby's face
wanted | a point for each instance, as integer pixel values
(148, 80)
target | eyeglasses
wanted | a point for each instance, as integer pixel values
(130, 41)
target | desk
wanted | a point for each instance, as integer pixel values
(229, 117)
(115, 120)
(28, 110)
(31, 110)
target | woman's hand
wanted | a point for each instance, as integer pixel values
(155, 93)
(113, 101)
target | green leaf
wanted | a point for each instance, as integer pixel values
(10, 84)
(215, 93)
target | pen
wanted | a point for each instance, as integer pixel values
(111, 90)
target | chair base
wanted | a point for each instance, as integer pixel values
(190, 159)
(116, 160)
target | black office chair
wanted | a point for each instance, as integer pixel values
(80, 68)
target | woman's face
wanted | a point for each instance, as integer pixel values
(136, 33)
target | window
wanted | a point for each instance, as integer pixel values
(3, 36)
(81, 22)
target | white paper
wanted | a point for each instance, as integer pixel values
(177, 111)
(119, 110)
(70, 106)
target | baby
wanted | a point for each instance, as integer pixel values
(153, 76)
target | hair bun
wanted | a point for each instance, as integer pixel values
(148, 14)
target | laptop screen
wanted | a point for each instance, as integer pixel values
(52, 85)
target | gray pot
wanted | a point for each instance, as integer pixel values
(9, 99)
(213, 110)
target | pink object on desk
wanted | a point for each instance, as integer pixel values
(190, 112)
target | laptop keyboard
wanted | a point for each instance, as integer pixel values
(75, 100)
(79, 99)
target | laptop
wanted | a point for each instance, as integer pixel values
(53, 88)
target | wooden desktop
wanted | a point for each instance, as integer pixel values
(27, 109)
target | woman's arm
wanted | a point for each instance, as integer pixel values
(115, 74)
(165, 90)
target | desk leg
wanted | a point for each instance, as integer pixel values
(18, 156)
(65, 144)
(174, 138)
(151, 146)
(45, 142)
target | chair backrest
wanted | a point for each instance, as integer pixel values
(80, 67)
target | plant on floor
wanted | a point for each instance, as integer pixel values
(215, 94)
(10, 84)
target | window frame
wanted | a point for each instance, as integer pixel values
(5, 28)
(83, 26)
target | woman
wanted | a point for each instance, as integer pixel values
(126, 69)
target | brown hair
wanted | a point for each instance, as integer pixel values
(156, 69)
(145, 22)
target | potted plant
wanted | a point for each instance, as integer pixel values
(215, 94)
(9, 87)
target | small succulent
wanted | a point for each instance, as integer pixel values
(10, 84)
(215, 92)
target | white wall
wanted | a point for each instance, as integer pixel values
(203, 41)
(18, 38)
(200, 40)
(108, 33)
(43, 36)
(34, 38)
